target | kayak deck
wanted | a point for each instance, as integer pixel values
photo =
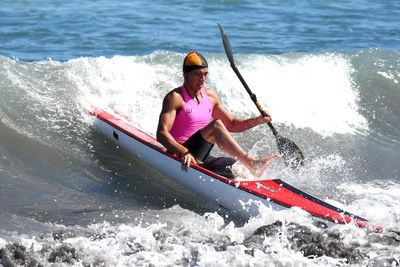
(275, 191)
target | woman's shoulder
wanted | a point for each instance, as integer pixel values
(212, 95)
(174, 97)
(175, 93)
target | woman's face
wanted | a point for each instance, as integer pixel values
(196, 79)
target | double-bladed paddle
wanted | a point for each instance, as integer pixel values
(292, 155)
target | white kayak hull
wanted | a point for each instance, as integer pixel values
(241, 197)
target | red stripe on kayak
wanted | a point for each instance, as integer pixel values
(288, 196)
(275, 190)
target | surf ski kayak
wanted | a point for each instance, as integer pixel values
(238, 196)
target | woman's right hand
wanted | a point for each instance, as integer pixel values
(187, 159)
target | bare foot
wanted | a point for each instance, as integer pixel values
(259, 166)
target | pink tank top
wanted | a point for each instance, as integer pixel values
(193, 116)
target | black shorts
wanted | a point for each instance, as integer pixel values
(198, 146)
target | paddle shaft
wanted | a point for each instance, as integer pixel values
(253, 97)
(291, 153)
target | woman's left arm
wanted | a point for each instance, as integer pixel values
(232, 123)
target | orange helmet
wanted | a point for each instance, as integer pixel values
(194, 61)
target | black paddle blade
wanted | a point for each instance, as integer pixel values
(227, 45)
(291, 153)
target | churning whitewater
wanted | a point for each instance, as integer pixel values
(327, 71)
(70, 196)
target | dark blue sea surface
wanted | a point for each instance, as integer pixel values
(327, 71)
(62, 30)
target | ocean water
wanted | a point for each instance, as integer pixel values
(327, 71)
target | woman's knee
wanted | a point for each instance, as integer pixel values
(213, 129)
(218, 125)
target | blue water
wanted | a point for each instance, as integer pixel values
(62, 30)
(328, 71)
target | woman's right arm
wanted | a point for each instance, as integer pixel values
(171, 104)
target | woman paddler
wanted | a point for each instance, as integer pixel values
(193, 119)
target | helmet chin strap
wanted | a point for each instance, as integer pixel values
(185, 82)
(197, 99)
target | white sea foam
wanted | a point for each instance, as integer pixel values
(181, 237)
(307, 91)
(377, 200)
(129, 85)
